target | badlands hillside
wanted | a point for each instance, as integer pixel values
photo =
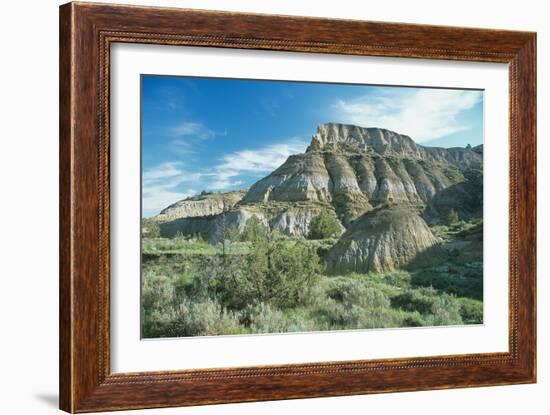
(383, 188)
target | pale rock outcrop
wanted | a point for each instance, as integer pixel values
(302, 177)
(347, 170)
(202, 205)
(295, 221)
(338, 136)
(211, 228)
(381, 240)
(292, 221)
(384, 142)
(356, 168)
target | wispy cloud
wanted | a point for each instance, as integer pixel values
(254, 163)
(224, 184)
(423, 114)
(169, 182)
(182, 147)
(160, 186)
(193, 129)
(186, 136)
(161, 172)
(154, 202)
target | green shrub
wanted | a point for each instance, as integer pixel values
(157, 324)
(471, 310)
(205, 318)
(266, 319)
(302, 322)
(380, 317)
(413, 320)
(177, 244)
(205, 282)
(445, 311)
(150, 228)
(263, 318)
(279, 272)
(158, 305)
(324, 226)
(157, 293)
(420, 300)
(460, 278)
(254, 230)
(398, 278)
(350, 292)
(436, 309)
(315, 294)
(355, 303)
(233, 234)
(335, 315)
(276, 271)
(452, 217)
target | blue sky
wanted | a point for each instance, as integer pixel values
(223, 134)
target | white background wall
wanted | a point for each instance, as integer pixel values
(29, 189)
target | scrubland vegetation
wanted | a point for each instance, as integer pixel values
(259, 281)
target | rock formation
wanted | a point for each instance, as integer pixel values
(211, 227)
(205, 204)
(381, 240)
(355, 169)
(465, 198)
(352, 172)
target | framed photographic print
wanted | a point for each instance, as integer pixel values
(260, 207)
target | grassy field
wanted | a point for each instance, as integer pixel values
(193, 288)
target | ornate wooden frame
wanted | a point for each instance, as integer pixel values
(86, 33)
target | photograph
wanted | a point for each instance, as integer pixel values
(272, 206)
(275, 207)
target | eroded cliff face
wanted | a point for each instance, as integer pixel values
(211, 227)
(292, 220)
(344, 137)
(355, 169)
(381, 240)
(338, 137)
(295, 220)
(375, 181)
(202, 205)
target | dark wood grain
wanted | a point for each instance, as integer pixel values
(65, 245)
(86, 33)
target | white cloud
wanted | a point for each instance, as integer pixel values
(194, 129)
(424, 114)
(255, 162)
(162, 171)
(160, 186)
(224, 184)
(168, 182)
(182, 147)
(154, 202)
(184, 137)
